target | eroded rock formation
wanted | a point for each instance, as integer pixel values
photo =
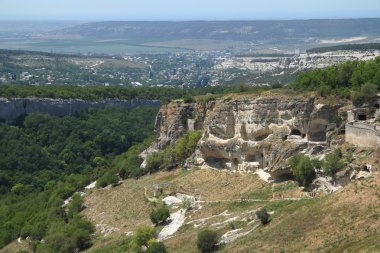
(247, 133)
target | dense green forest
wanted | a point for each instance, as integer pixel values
(45, 159)
(364, 46)
(102, 92)
(358, 80)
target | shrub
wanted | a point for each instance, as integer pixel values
(156, 161)
(67, 238)
(302, 169)
(128, 163)
(141, 237)
(156, 247)
(207, 240)
(174, 155)
(160, 215)
(333, 162)
(188, 99)
(107, 179)
(263, 215)
(186, 204)
(75, 205)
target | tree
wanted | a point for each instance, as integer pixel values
(75, 205)
(155, 246)
(207, 241)
(263, 215)
(302, 168)
(141, 237)
(160, 215)
(188, 99)
(107, 179)
(333, 162)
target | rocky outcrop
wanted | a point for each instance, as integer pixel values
(248, 133)
(14, 108)
(176, 118)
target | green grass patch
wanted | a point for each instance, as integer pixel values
(277, 205)
(262, 193)
(114, 247)
(285, 187)
(242, 205)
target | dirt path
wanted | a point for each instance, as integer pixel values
(248, 200)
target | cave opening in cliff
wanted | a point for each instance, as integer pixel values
(377, 106)
(295, 132)
(362, 117)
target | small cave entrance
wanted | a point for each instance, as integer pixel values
(365, 168)
(362, 116)
(295, 132)
(377, 106)
(258, 158)
(251, 158)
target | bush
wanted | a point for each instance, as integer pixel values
(69, 237)
(75, 205)
(141, 237)
(188, 99)
(107, 179)
(207, 240)
(156, 161)
(333, 162)
(186, 204)
(263, 215)
(160, 215)
(128, 163)
(303, 170)
(156, 247)
(174, 155)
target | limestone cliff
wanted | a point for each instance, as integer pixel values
(12, 109)
(246, 133)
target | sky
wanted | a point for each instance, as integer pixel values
(186, 9)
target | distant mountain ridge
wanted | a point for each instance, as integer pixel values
(223, 30)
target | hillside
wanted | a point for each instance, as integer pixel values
(345, 220)
(222, 30)
(152, 37)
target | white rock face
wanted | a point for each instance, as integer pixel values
(249, 133)
(171, 200)
(177, 220)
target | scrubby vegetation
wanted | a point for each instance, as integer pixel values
(160, 214)
(97, 93)
(363, 46)
(303, 169)
(358, 80)
(333, 162)
(175, 154)
(45, 159)
(145, 236)
(263, 216)
(207, 241)
(141, 237)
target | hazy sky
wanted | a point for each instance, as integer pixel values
(186, 9)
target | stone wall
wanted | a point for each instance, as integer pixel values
(362, 135)
(14, 108)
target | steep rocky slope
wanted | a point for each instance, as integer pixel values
(14, 108)
(247, 132)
